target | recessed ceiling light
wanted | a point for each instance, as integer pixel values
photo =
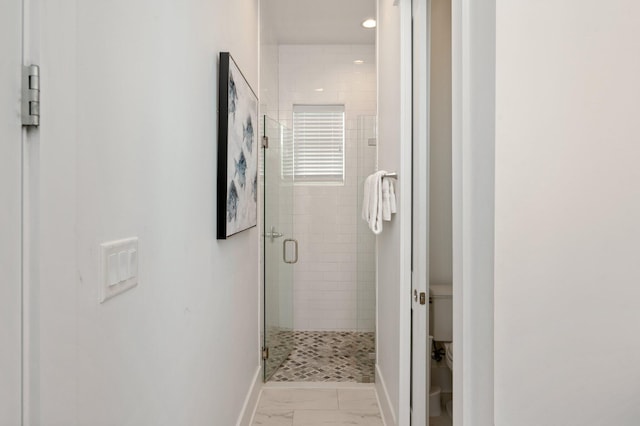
(369, 23)
(319, 89)
(358, 62)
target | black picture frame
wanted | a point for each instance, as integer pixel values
(237, 186)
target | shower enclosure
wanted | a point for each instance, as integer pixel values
(276, 238)
(319, 313)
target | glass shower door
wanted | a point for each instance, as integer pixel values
(278, 230)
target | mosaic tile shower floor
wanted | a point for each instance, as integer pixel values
(323, 356)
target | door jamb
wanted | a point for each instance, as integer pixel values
(473, 168)
(406, 160)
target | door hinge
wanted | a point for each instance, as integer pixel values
(265, 141)
(265, 353)
(31, 95)
(423, 298)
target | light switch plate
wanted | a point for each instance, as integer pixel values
(119, 268)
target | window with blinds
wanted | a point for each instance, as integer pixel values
(318, 143)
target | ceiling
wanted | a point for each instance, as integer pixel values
(320, 21)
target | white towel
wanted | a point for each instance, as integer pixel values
(392, 196)
(379, 201)
(386, 206)
(388, 198)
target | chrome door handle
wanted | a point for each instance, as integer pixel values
(273, 234)
(284, 250)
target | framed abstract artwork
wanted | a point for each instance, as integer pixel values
(237, 208)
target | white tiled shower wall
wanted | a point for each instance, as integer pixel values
(334, 279)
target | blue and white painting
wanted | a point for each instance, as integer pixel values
(242, 154)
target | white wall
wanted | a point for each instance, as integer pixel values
(327, 292)
(440, 245)
(268, 62)
(10, 211)
(128, 148)
(567, 339)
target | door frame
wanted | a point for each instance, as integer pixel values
(473, 152)
(473, 168)
(420, 147)
(405, 211)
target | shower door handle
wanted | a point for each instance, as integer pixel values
(284, 250)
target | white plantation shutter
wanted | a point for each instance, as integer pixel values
(286, 152)
(318, 140)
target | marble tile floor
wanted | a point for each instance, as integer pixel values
(321, 406)
(322, 356)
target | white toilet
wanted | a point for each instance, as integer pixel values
(442, 327)
(442, 309)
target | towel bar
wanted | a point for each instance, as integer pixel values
(392, 175)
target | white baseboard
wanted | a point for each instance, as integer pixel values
(388, 414)
(251, 401)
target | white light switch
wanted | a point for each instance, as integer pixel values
(123, 265)
(113, 274)
(119, 267)
(133, 263)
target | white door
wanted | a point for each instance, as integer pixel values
(420, 351)
(10, 211)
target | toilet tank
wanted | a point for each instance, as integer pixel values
(442, 310)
